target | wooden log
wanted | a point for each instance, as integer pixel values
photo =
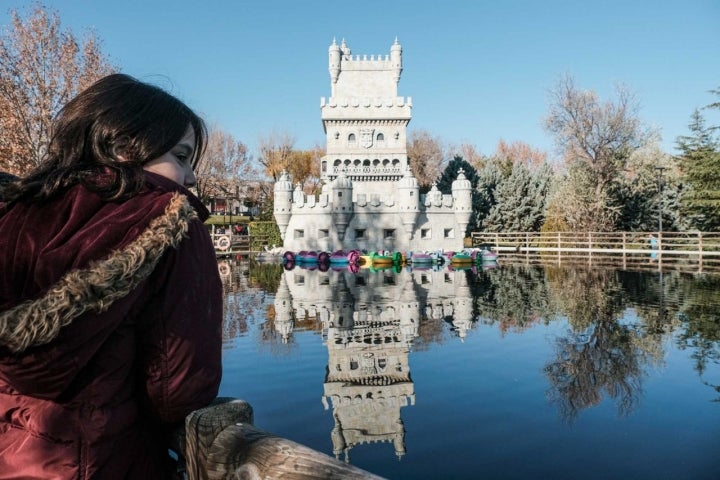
(203, 425)
(222, 444)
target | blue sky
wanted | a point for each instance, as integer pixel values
(477, 71)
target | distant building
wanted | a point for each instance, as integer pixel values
(370, 199)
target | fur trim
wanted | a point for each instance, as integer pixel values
(95, 288)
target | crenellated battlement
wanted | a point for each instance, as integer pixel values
(366, 62)
(303, 203)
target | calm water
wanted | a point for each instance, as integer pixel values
(512, 372)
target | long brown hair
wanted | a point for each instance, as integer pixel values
(118, 113)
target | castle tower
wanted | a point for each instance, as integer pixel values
(462, 200)
(409, 195)
(342, 204)
(283, 202)
(365, 121)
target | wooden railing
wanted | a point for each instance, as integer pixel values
(689, 251)
(220, 442)
(232, 243)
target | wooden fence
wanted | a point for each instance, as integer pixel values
(229, 243)
(686, 251)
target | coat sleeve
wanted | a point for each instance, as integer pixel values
(181, 342)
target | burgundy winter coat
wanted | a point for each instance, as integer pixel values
(110, 331)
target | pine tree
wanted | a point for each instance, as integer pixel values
(449, 175)
(520, 200)
(700, 165)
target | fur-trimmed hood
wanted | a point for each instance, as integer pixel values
(96, 287)
(68, 274)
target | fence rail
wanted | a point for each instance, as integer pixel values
(687, 251)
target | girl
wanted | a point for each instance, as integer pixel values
(110, 298)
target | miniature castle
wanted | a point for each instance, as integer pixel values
(370, 199)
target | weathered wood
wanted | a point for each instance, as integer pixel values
(204, 425)
(223, 444)
(244, 451)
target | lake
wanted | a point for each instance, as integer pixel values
(511, 372)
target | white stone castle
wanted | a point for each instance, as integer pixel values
(370, 199)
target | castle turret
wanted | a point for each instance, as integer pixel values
(282, 209)
(284, 321)
(462, 201)
(342, 204)
(396, 60)
(334, 62)
(409, 198)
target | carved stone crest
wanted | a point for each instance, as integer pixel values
(366, 137)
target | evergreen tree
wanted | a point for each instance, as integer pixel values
(649, 187)
(520, 200)
(700, 165)
(449, 175)
(488, 180)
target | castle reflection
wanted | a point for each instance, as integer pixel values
(369, 321)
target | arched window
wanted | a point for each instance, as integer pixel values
(323, 169)
(351, 138)
(380, 137)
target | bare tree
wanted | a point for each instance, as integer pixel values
(520, 152)
(427, 156)
(596, 140)
(304, 168)
(41, 68)
(224, 167)
(276, 153)
(469, 153)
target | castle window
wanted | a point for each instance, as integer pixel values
(360, 281)
(323, 233)
(380, 137)
(449, 233)
(339, 194)
(337, 162)
(359, 233)
(351, 138)
(389, 233)
(299, 234)
(326, 281)
(366, 163)
(324, 167)
(299, 280)
(425, 233)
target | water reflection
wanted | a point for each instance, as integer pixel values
(618, 324)
(369, 322)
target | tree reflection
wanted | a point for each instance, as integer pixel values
(700, 316)
(603, 352)
(515, 297)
